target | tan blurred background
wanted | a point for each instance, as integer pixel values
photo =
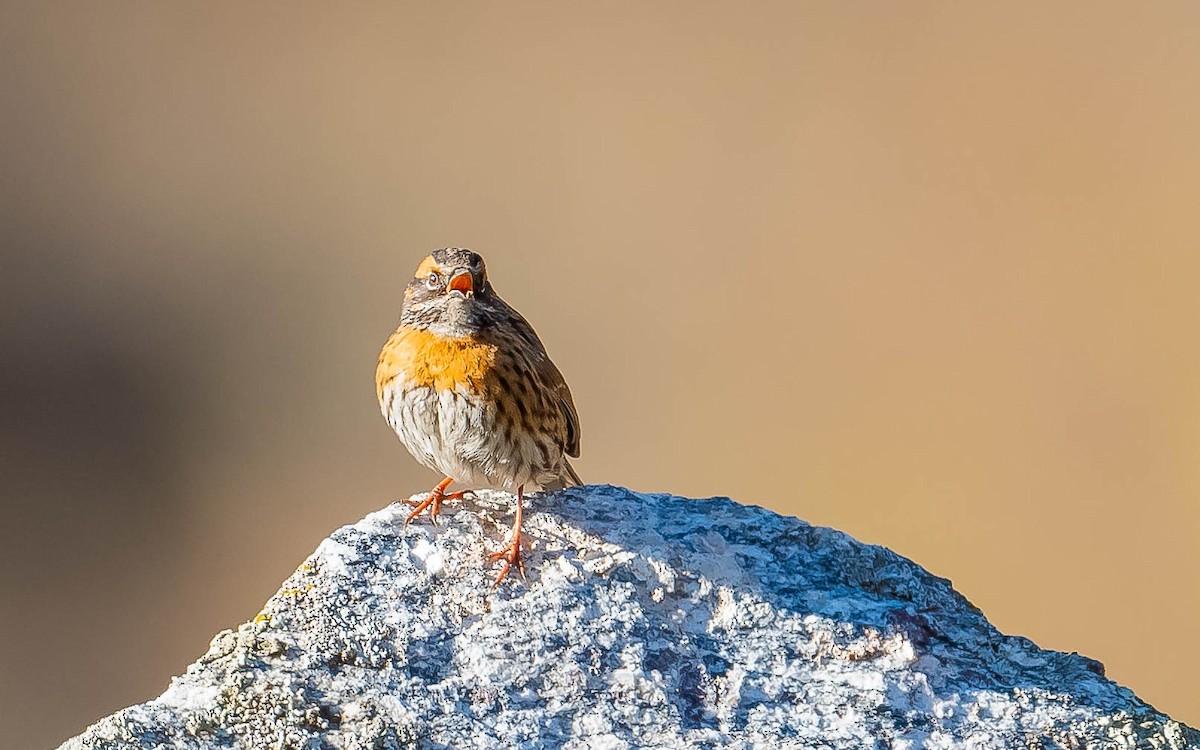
(922, 272)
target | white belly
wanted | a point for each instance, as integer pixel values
(456, 434)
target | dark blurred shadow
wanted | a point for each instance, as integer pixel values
(90, 416)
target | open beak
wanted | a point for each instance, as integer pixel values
(461, 281)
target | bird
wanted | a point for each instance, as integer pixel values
(467, 386)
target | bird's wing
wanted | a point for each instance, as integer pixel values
(567, 404)
(550, 376)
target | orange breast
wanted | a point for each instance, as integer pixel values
(427, 360)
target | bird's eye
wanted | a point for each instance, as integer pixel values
(432, 281)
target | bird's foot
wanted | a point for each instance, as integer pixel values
(433, 501)
(511, 555)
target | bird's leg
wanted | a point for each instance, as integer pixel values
(433, 501)
(511, 553)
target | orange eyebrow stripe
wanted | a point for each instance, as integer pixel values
(427, 266)
(429, 361)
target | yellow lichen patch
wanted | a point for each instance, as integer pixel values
(295, 592)
(431, 361)
(264, 614)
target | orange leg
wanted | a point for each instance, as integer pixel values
(434, 501)
(511, 554)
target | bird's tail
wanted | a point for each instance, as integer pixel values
(568, 478)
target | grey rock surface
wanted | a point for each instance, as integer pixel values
(646, 621)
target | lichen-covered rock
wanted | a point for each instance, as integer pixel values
(646, 621)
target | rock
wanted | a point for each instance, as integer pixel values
(646, 621)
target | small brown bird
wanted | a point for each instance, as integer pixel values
(467, 385)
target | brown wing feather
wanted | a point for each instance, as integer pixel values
(567, 404)
(550, 375)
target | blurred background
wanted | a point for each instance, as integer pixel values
(924, 272)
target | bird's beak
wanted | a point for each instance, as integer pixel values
(461, 281)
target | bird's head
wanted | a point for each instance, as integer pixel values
(446, 292)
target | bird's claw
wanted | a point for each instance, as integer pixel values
(511, 555)
(433, 501)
